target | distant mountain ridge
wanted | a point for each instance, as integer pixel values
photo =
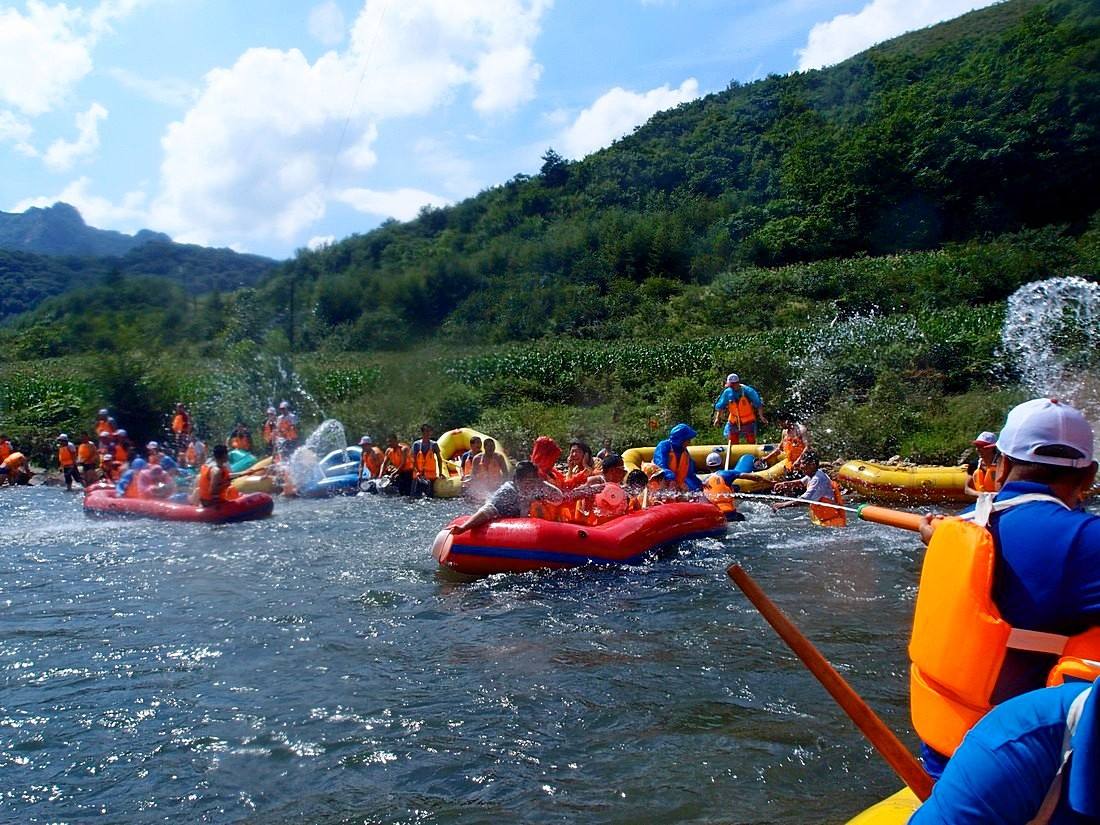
(45, 252)
(60, 230)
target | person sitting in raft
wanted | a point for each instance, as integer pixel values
(241, 438)
(466, 460)
(743, 409)
(87, 457)
(214, 482)
(153, 453)
(794, 441)
(195, 454)
(578, 461)
(67, 461)
(267, 431)
(520, 496)
(815, 485)
(636, 485)
(675, 462)
(370, 458)
(544, 453)
(398, 465)
(15, 469)
(127, 485)
(718, 486)
(592, 509)
(1045, 552)
(154, 482)
(1033, 759)
(982, 472)
(427, 462)
(123, 447)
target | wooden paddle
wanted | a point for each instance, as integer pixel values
(886, 743)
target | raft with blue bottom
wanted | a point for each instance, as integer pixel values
(519, 545)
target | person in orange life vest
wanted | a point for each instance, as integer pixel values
(181, 427)
(241, 438)
(154, 482)
(1033, 759)
(675, 462)
(427, 462)
(1046, 552)
(792, 443)
(267, 430)
(6, 448)
(743, 408)
(370, 458)
(286, 430)
(487, 471)
(578, 461)
(398, 465)
(15, 469)
(127, 484)
(982, 473)
(67, 461)
(719, 489)
(528, 494)
(214, 479)
(544, 453)
(466, 461)
(636, 485)
(123, 447)
(88, 458)
(153, 453)
(592, 509)
(815, 485)
(104, 422)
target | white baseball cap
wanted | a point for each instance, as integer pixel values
(1042, 424)
(152, 445)
(733, 378)
(985, 439)
(62, 437)
(714, 459)
(366, 440)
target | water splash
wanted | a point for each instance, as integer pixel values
(1051, 335)
(303, 466)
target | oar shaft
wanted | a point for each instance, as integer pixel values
(884, 740)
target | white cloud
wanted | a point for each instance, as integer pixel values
(17, 131)
(617, 113)
(45, 52)
(326, 24)
(62, 154)
(273, 136)
(166, 91)
(127, 216)
(320, 241)
(848, 34)
(403, 204)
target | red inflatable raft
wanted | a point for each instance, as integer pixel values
(517, 545)
(102, 501)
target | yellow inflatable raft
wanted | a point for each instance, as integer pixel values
(634, 457)
(452, 444)
(894, 810)
(260, 478)
(904, 485)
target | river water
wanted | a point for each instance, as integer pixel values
(317, 668)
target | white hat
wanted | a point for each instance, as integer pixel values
(714, 459)
(104, 413)
(62, 437)
(733, 378)
(270, 410)
(121, 432)
(152, 445)
(1045, 423)
(366, 440)
(985, 439)
(283, 404)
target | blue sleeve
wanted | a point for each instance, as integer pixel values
(692, 480)
(724, 399)
(660, 458)
(752, 395)
(1083, 568)
(1004, 766)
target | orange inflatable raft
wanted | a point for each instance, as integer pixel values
(101, 500)
(518, 545)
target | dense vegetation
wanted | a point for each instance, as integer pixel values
(843, 238)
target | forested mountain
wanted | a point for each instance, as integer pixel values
(29, 277)
(60, 230)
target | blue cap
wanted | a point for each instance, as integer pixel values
(168, 463)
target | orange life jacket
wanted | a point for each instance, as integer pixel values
(424, 460)
(825, 516)
(66, 456)
(984, 479)
(101, 426)
(960, 640)
(486, 471)
(181, 424)
(371, 460)
(211, 493)
(741, 411)
(120, 454)
(5, 449)
(719, 494)
(792, 447)
(86, 452)
(14, 461)
(679, 465)
(399, 457)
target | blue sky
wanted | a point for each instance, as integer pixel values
(270, 125)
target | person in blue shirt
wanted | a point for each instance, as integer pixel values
(677, 466)
(1009, 768)
(743, 409)
(1047, 571)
